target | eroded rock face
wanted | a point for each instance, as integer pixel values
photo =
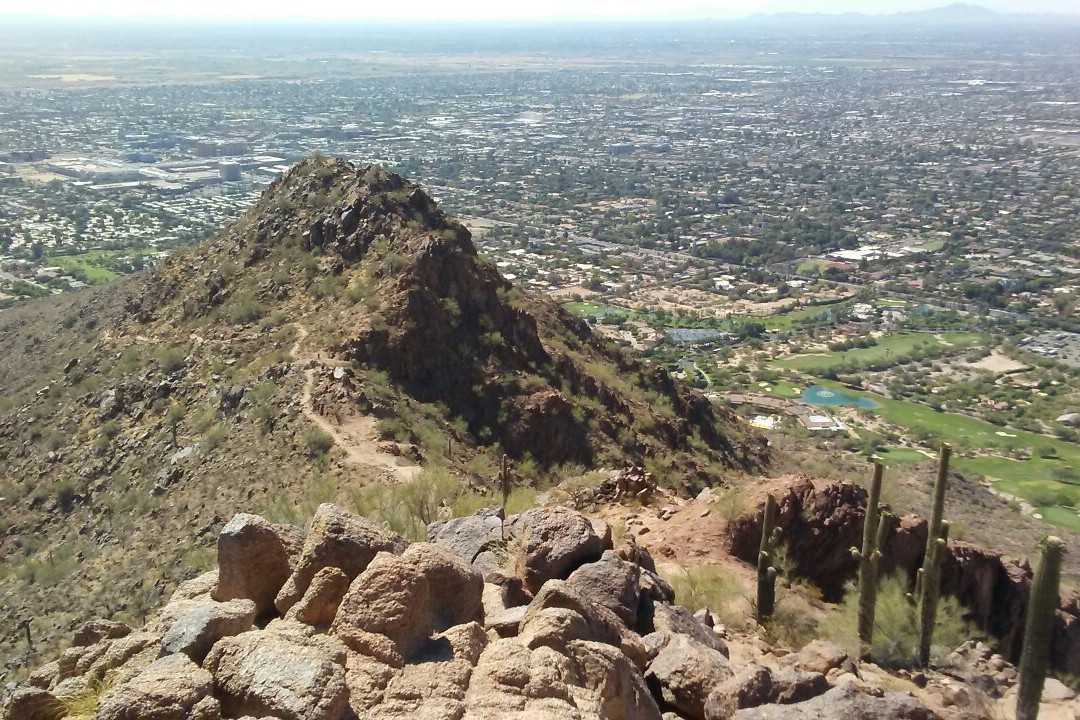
(255, 559)
(281, 673)
(407, 598)
(172, 688)
(555, 542)
(336, 538)
(820, 525)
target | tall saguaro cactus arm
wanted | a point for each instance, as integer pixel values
(937, 512)
(1039, 628)
(868, 557)
(766, 573)
(931, 592)
(928, 579)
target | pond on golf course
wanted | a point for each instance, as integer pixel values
(828, 397)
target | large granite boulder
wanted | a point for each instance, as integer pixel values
(336, 538)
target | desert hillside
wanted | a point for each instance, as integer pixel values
(344, 334)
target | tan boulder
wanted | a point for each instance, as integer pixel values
(31, 703)
(283, 673)
(336, 538)
(322, 598)
(171, 688)
(407, 598)
(686, 672)
(555, 541)
(255, 559)
(603, 624)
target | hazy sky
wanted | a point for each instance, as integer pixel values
(481, 9)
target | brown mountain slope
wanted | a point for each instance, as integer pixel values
(137, 417)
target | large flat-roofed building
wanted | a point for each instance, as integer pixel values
(98, 171)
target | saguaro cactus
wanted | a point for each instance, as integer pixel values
(766, 572)
(928, 582)
(1038, 628)
(876, 528)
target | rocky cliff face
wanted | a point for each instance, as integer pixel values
(821, 524)
(538, 616)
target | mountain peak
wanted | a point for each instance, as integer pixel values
(342, 209)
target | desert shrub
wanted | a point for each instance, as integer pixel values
(395, 428)
(65, 495)
(791, 625)
(331, 286)
(1046, 497)
(711, 587)
(482, 465)
(246, 309)
(214, 436)
(170, 359)
(318, 442)
(409, 507)
(84, 703)
(896, 626)
(284, 509)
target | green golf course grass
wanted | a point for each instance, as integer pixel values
(1031, 479)
(902, 456)
(890, 346)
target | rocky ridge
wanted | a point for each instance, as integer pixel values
(539, 615)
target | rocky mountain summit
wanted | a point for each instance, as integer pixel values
(538, 615)
(342, 335)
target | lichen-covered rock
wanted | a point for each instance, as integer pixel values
(336, 538)
(603, 624)
(255, 559)
(675, 619)
(201, 624)
(752, 686)
(614, 688)
(282, 673)
(171, 688)
(555, 541)
(472, 537)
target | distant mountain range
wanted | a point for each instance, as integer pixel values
(956, 14)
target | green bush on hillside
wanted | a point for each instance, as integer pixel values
(896, 625)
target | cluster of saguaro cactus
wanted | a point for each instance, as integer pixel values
(877, 525)
(766, 571)
(1039, 628)
(928, 579)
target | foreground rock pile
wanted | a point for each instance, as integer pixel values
(534, 616)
